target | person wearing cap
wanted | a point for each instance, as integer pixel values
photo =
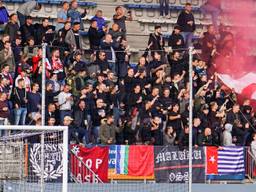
(26, 9)
(176, 40)
(27, 30)
(73, 38)
(75, 15)
(108, 131)
(156, 40)
(72, 130)
(186, 21)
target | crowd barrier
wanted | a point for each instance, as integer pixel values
(161, 164)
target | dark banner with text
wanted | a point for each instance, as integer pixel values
(53, 164)
(172, 165)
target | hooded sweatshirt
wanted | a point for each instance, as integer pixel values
(227, 136)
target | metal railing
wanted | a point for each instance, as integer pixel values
(250, 165)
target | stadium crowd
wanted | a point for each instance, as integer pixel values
(106, 99)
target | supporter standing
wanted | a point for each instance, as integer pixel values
(12, 27)
(62, 16)
(164, 8)
(4, 15)
(20, 103)
(187, 23)
(7, 57)
(212, 7)
(176, 40)
(120, 18)
(75, 15)
(65, 102)
(27, 30)
(156, 40)
(101, 23)
(73, 38)
(95, 35)
(4, 110)
(26, 9)
(108, 131)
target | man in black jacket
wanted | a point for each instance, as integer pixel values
(81, 122)
(187, 23)
(27, 30)
(20, 103)
(95, 35)
(156, 40)
(176, 40)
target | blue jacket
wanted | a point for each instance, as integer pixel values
(100, 22)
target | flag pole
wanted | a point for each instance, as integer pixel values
(43, 82)
(190, 116)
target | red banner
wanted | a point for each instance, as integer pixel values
(85, 161)
(212, 160)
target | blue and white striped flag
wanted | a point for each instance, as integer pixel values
(231, 161)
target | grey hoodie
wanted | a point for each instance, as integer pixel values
(227, 136)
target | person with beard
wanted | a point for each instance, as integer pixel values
(98, 113)
(187, 23)
(57, 65)
(73, 38)
(176, 40)
(156, 40)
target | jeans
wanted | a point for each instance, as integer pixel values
(95, 132)
(116, 113)
(22, 18)
(64, 113)
(214, 11)
(187, 36)
(112, 66)
(20, 116)
(164, 7)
